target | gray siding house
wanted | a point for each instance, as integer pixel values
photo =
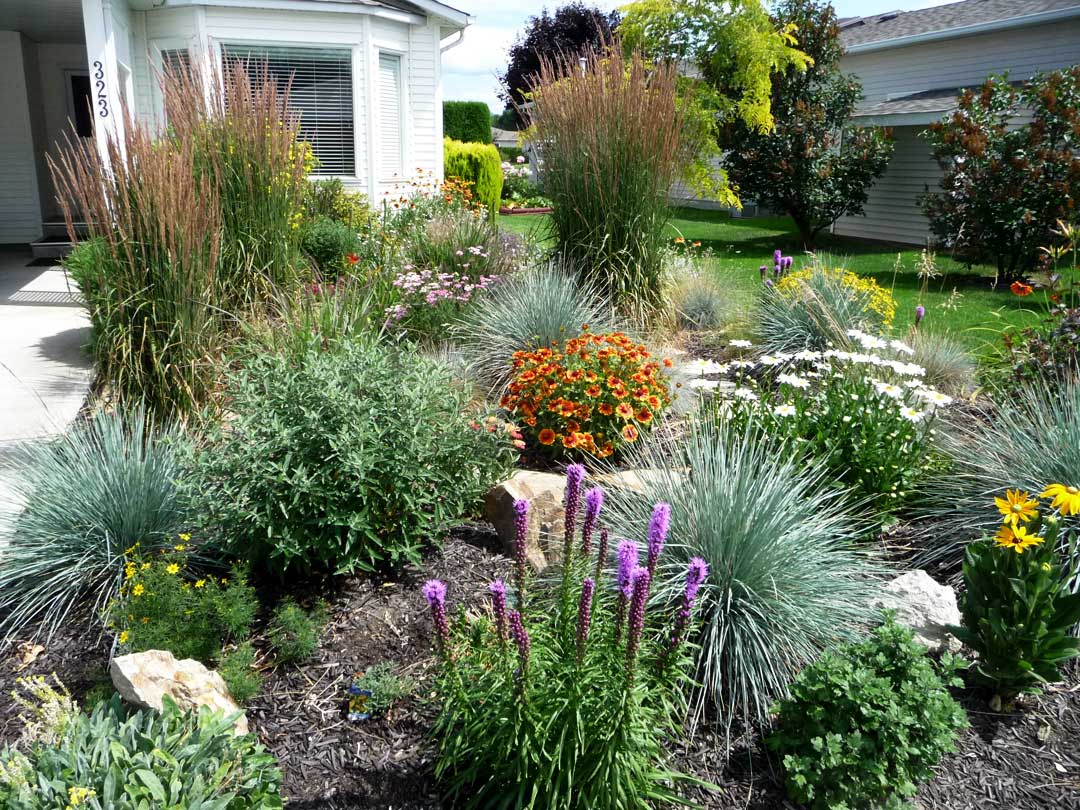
(912, 66)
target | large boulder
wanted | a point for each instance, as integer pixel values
(144, 678)
(925, 606)
(544, 536)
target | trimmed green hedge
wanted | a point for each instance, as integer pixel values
(480, 166)
(468, 121)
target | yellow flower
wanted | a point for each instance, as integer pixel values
(77, 796)
(129, 570)
(1016, 538)
(172, 568)
(124, 637)
(184, 537)
(144, 566)
(1066, 498)
(200, 583)
(1016, 507)
(138, 590)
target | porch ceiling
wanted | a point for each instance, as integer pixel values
(44, 20)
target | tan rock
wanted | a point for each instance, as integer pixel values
(144, 678)
(544, 492)
(925, 606)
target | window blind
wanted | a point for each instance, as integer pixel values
(176, 59)
(321, 93)
(390, 140)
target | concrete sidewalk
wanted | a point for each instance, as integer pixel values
(45, 373)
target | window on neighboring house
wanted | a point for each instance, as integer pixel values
(391, 151)
(321, 92)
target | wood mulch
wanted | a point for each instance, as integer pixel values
(1029, 758)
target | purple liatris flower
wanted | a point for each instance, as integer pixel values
(434, 592)
(658, 529)
(696, 574)
(768, 283)
(788, 261)
(639, 585)
(776, 271)
(498, 607)
(601, 553)
(584, 615)
(920, 313)
(763, 270)
(594, 501)
(575, 473)
(521, 637)
(777, 255)
(627, 551)
(521, 527)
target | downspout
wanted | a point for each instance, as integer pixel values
(460, 38)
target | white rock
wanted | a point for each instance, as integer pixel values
(144, 678)
(925, 606)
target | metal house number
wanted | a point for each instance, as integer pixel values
(101, 95)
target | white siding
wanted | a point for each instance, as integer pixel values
(20, 210)
(892, 212)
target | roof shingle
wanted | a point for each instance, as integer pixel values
(899, 24)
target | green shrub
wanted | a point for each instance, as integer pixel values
(108, 484)
(787, 578)
(614, 141)
(866, 724)
(328, 242)
(479, 166)
(237, 669)
(146, 759)
(165, 605)
(566, 701)
(346, 460)
(293, 632)
(330, 199)
(864, 420)
(386, 686)
(530, 310)
(1026, 437)
(468, 121)
(815, 308)
(1016, 606)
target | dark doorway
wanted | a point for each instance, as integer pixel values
(81, 101)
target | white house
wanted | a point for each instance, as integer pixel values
(913, 65)
(366, 78)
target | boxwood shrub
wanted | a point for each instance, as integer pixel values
(341, 461)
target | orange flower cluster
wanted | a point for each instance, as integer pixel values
(599, 393)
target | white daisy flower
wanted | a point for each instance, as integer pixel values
(740, 344)
(806, 354)
(770, 360)
(744, 393)
(912, 415)
(701, 382)
(703, 366)
(934, 397)
(888, 389)
(784, 410)
(901, 347)
(794, 380)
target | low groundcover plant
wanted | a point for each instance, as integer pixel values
(562, 700)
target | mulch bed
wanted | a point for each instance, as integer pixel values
(1029, 758)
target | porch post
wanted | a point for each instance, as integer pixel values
(104, 76)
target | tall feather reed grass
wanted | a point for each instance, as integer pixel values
(188, 231)
(613, 141)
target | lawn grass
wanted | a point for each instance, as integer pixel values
(961, 301)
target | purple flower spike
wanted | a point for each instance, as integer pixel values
(575, 474)
(584, 615)
(658, 529)
(639, 584)
(763, 270)
(768, 283)
(627, 551)
(594, 501)
(521, 528)
(434, 592)
(696, 574)
(777, 255)
(498, 606)
(788, 261)
(521, 638)
(920, 313)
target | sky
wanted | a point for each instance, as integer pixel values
(470, 69)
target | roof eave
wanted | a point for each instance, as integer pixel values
(1022, 21)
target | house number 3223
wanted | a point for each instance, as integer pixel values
(101, 95)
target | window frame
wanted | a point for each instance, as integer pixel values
(360, 122)
(379, 48)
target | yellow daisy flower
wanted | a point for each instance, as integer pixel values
(1066, 498)
(172, 568)
(184, 536)
(138, 590)
(1016, 538)
(199, 583)
(1016, 507)
(124, 637)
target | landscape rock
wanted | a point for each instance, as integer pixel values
(544, 536)
(925, 606)
(144, 678)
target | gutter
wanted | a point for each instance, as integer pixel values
(460, 38)
(1023, 21)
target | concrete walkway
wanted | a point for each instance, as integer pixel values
(45, 373)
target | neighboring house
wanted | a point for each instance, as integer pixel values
(912, 66)
(366, 79)
(504, 138)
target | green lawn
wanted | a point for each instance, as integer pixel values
(976, 314)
